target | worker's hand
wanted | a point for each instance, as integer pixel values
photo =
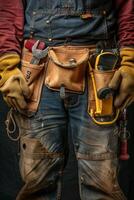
(16, 91)
(12, 83)
(123, 79)
(8, 66)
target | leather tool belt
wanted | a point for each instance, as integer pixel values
(66, 69)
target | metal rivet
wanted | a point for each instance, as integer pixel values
(104, 12)
(72, 61)
(42, 125)
(50, 39)
(47, 21)
(82, 179)
(31, 33)
(101, 119)
(77, 145)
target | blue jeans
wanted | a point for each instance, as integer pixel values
(44, 150)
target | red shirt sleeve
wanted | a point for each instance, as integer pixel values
(125, 20)
(11, 26)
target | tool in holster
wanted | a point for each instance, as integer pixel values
(38, 54)
(102, 110)
(105, 61)
(30, 42)
(124, 135)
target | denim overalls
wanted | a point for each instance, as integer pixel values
(74, 22)
(44, 136)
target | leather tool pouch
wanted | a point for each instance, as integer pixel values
(102, 111)
(34, 75)
(66, 68)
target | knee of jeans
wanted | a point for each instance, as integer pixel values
(38, 167)
(99, 172)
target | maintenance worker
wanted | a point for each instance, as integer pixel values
(62, 84)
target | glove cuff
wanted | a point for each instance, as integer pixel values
(127, 56)
(8, 66)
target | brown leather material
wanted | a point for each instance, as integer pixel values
(107, 107)
(34, 75)
(32, 152)
(32, 148)
(36, 167)
(66, 67)
(101, 80)
(91, 97)
(96, 156)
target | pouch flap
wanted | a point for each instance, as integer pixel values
(68, 57)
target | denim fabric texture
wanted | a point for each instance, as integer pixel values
(72, 22)
(95, 149)
(44, 136)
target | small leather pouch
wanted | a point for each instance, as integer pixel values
(34, 75)
(102, 110)
(66, 67)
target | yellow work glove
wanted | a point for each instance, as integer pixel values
(12, 83)
(123, 79)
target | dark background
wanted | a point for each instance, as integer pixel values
(10, 181)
